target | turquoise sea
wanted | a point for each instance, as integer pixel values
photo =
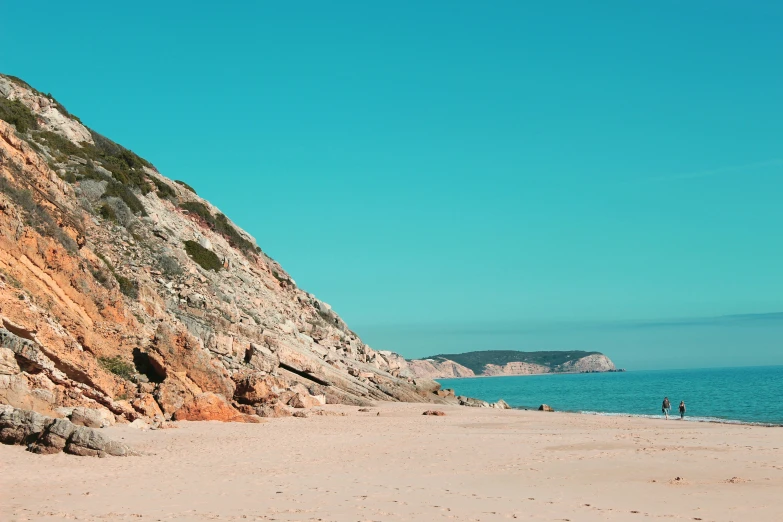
(747, 395)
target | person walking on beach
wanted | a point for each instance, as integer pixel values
(682, 410)
(665, 407)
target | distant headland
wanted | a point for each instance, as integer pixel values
(492, 363)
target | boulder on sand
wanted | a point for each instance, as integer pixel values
(146, 405)
(436, 413)
(88, 442)
(300, 400)
(20, 426)
(545, 407)
(91, 417)
(54, 438)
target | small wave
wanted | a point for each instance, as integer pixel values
(715, 420)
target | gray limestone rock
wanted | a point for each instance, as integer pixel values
(45, 435)
(25, 349)
(21, 426)
(474, 403)
(262, 358)
(91, 417)
(88, 442)
(54, 437)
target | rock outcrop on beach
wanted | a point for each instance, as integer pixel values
(478, 403)
(506, 362)
(124, 292)
(47, 435)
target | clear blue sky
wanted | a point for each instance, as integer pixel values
(445, 166)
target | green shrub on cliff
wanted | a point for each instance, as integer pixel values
(17, 113)
(199, 209)
(128, 287)
(206, 258)
(126, 167)
(123, 192)
(108, 213)
(220, 224)
(180, 182)
(58, 144)
(118, 366)
(224, 228)
(164, 190)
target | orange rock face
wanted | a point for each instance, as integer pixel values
(181, 352)
(207, 407)
(256, 388)
(146, 405)
(175, 391)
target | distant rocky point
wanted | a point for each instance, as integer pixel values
(509, 362)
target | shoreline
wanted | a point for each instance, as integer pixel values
(629, 394)
(708, 420)
(650, 416)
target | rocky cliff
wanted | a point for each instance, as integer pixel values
(591, 363)
(125, 292)
(493, 363)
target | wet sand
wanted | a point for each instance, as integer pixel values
(472, 464)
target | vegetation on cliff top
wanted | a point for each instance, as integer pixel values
(180, 182)
(477, 360)
(127, 169)
(220, 224)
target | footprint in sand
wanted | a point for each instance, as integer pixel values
(736, 480)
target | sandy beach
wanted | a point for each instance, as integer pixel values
(472, 464)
